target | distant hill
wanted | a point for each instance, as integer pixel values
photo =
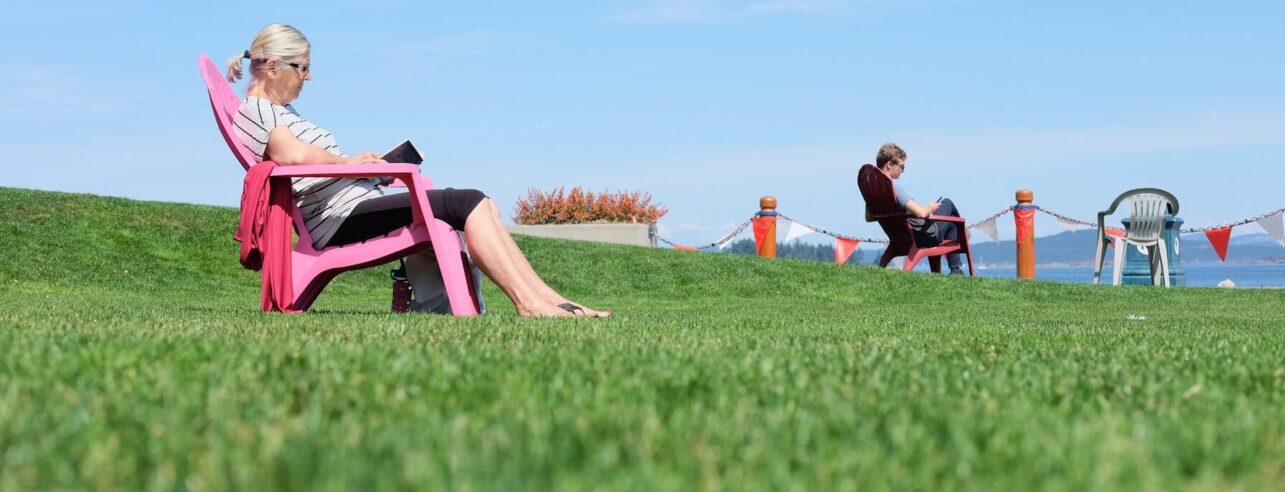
(1076, 248)
(796, 250)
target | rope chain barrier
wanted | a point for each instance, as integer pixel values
(1233, 224)
(1066, 218)
(714, 244)
(832, 234)
(996, 215)
(1188, 230)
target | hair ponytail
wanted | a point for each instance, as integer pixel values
(234, 67)
(278, 41)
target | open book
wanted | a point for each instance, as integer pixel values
(406, 153)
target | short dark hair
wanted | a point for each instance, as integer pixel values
(889, 153)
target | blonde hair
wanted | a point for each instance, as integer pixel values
(279, 41)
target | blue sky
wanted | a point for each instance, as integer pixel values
(707, 105)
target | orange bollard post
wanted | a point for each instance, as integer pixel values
(1024, 216)
(765, 227)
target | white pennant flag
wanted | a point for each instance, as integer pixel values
(728, 242)
(1072, 226)
(795, 231)
(1274, 225)
(988, 227)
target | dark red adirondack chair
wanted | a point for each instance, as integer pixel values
(881, 206)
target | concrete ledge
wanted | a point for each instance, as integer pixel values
(631, 234)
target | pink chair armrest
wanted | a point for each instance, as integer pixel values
(346, 170)
(408, 174)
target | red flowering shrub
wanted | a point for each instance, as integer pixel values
(580, 207)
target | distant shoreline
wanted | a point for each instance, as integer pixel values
(1244, 275)
(1089, 264)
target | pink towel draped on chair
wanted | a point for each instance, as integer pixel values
(264, 232)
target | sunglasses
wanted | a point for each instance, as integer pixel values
(303, 69)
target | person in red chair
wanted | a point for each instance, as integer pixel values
(340, 211)
(892, 161)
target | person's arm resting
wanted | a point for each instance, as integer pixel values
(921, 211)
(286, 150)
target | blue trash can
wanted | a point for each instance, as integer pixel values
(1137, 265)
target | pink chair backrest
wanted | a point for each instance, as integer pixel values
(224, 102)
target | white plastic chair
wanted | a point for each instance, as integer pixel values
(1147, 209)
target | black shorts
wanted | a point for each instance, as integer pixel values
(379, 216)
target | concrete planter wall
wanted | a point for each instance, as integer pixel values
(631, 234)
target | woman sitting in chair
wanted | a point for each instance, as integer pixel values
(340, 211)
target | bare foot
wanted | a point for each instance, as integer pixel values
(583, 311)
(544, 311)
(561, 310)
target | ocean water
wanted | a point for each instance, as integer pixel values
(1198, 275)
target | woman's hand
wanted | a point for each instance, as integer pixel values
(366, 158)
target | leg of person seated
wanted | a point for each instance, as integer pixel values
(947, 208)
(492, 256)
(534, 278)
(950, 231)
(524, 266)
(373, 218)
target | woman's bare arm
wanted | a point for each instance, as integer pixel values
(286, 150)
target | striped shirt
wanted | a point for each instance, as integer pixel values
(324, 203)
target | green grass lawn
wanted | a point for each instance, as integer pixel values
(133, 356)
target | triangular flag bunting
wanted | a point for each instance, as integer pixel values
(989, 228)
(761, 225)
(681, 247)
(723, 245)
(1024, 219)
(843, 249)
(1071, 225)
(1218, 238)
(1275, 225)
(796, 230)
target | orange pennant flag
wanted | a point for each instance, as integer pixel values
(761, 225)
(1218, 238)
(843, 249)
(680, 247)
(1024, 219)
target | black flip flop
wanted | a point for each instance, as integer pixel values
(572, 308)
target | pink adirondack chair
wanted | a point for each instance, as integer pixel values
(312, 269)
(881, 206)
